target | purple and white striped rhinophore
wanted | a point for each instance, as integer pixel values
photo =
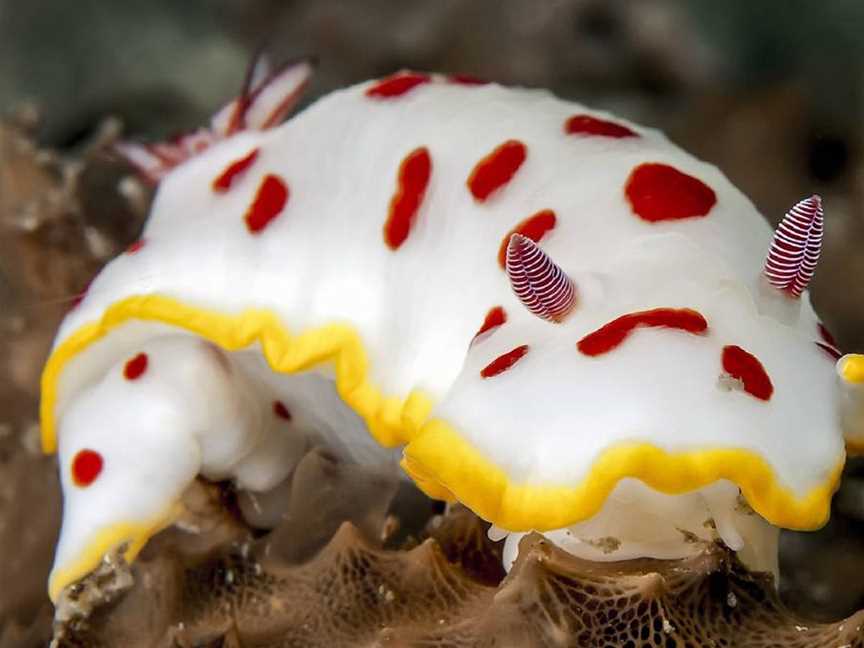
(791, 262)
(541, 285)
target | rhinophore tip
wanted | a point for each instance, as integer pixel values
(538, 282)
(791, 261)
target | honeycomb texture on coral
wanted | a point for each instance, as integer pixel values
(353, 593)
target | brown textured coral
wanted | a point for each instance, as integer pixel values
(58, 223)
(445, 591)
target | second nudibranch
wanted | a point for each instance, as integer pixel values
(569, 325)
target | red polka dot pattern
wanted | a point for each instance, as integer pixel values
(496, 169)
(413, 178)
(503, 362)
(534, 227)
(281, 411)
(494, 318)
(135, 367)
(267, 204)
(588, 125)
(611, 335)
(659, 192)
(86, 467)
(397, 85)
(745, 367)
(224, 180)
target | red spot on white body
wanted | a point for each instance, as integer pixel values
(659, 192)
(503, 362)
(543, 287)
(611, 335)
(224, 180)
(745, 367)
(494, 318)
(496, 169)
(397, 85)
(791, 261)
(135, 368)
(268, 203)
(588, 125)
(413, 178)
(86, 467)
(534, 227)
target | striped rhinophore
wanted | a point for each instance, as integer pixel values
(791, 262)
(538, 282)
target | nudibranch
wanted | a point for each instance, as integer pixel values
(558, 317)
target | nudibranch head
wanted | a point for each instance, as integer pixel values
(118, 486)
(558, 314)
(132, 441)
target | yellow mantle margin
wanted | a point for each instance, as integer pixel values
(445, 466)
(389, 418)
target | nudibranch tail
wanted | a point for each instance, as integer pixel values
(794, 252)
(266, 99)
(543, 287)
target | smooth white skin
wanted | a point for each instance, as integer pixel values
(191, 412)
(637, 522)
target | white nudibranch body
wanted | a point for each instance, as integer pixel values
(558, 317)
